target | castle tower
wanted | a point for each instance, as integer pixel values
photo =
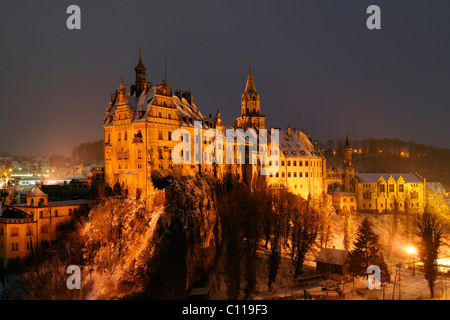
(141, 72)
(349, 169)
(251, 116)
(347, 152)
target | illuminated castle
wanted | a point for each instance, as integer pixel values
(138, 130)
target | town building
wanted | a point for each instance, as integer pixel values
(34, 225)
(374, 192)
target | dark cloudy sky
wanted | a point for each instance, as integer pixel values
(317, 54)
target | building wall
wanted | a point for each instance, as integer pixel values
(389, 195)
(19, 236)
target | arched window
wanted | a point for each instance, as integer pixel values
(44, 228)
(41, 202)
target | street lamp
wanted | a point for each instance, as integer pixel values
(412, 251)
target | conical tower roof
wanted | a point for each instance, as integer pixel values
(250, 86)
(140, 65)
(347, 142)
(37, 192)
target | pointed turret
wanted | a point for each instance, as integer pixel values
(347, 142)
(141, 73)
(250, 86)
(251, 116)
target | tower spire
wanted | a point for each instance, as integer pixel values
(165, 69)
(250, 86)
(303, 119)
(347, 142)
(141, 75)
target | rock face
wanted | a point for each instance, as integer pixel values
(187, 239)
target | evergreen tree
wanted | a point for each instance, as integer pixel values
(366, 251)
(431, 231)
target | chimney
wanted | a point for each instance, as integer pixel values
(316, 145)
(188, 96)
(289, 131)
(179, 94)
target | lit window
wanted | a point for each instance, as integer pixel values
(14, 231)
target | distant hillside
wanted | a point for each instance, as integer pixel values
(88, 153)
(392, 155)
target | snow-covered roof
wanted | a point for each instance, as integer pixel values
(188, 112)
(374, 177)
(296, 145)
(332, 256)
(37, 192)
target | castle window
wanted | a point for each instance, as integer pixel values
(391, 188)
(282, 163)
(300, 174)
(277, 175)
(160, 135)
(283, 175)
(289, 174)
(44, 228)
(300, 163)
(159, 115)
(14, 247)
(119, 138)
(306, 174)
(169, 135)
(400, 188)
(29, 231)
(306, 163)
(382, 188)
(119, 154)
(139, 166)
(160, 153)
(125, 136)
(289, 163)
(125, 153)
(295, 174)
(14, 232)
(139, 154)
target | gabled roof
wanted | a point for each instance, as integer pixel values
(296, 145)
(374, 177)
(333, 256)
(37, 192)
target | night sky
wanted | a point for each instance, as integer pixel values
(394, 82)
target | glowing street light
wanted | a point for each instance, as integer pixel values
(412, 251)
